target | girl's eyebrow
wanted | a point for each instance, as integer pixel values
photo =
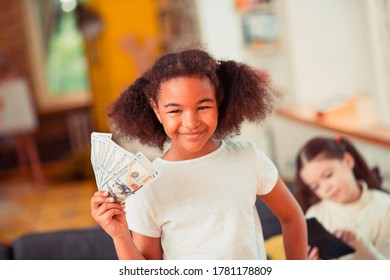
(171, 105)
(205, 100)
(199, 102)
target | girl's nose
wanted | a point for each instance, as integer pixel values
(191, 120)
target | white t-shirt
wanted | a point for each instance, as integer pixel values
(204, 208)
(368, 217)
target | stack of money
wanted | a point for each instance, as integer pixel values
(117, 170)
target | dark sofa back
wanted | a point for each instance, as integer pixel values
(75, 244)
(5, 252)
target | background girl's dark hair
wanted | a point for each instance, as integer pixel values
(242, 93)
(330, 148)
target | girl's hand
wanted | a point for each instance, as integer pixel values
(312, 253)
(109, 214)
(347, 236)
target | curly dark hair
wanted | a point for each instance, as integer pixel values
(331, 148)
(242, 93)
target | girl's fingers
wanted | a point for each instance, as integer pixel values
(111, 213)
(99, 198)
(345, 235)
(313, 253)
(338, 233)
(102, 193)
(106, 207)
(107, 217)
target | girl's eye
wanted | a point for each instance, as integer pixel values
(174, 112)
(203, 107)
(328, 175)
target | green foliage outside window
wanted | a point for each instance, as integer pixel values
(66, 62)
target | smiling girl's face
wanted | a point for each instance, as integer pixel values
(188, 110)
(331, 179)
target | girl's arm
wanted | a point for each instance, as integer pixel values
(140, 247)
(293, 223)
(112, 218)
(365, 249)
(381, 249)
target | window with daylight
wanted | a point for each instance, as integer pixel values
(59, 51)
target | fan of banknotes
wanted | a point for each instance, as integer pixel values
(117, 170)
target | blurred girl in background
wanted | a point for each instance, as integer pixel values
(336, 186)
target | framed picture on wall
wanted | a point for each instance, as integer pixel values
(178, 23)
(261, 30)
(259, 27)
(247, 5)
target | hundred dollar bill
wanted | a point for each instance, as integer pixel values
(117, 170)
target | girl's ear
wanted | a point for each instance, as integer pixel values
(155, 109)
(348, 158)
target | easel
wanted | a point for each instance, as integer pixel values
(27, 152)
(18, 120)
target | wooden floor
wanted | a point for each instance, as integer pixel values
(28, 208)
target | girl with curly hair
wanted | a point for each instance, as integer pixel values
(202, 205)
(335, 185)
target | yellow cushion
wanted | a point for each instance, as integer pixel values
(274, 248)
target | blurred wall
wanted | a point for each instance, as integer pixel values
(220, 31)
(329, 48)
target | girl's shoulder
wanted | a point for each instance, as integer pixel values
(248, 151)
(242, 148)
(240, 145)
(380, 196)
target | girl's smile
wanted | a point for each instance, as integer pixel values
(192, 136)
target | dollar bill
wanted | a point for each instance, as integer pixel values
(117, 170)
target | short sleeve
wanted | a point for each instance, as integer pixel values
(140, 215)
(266, 171)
